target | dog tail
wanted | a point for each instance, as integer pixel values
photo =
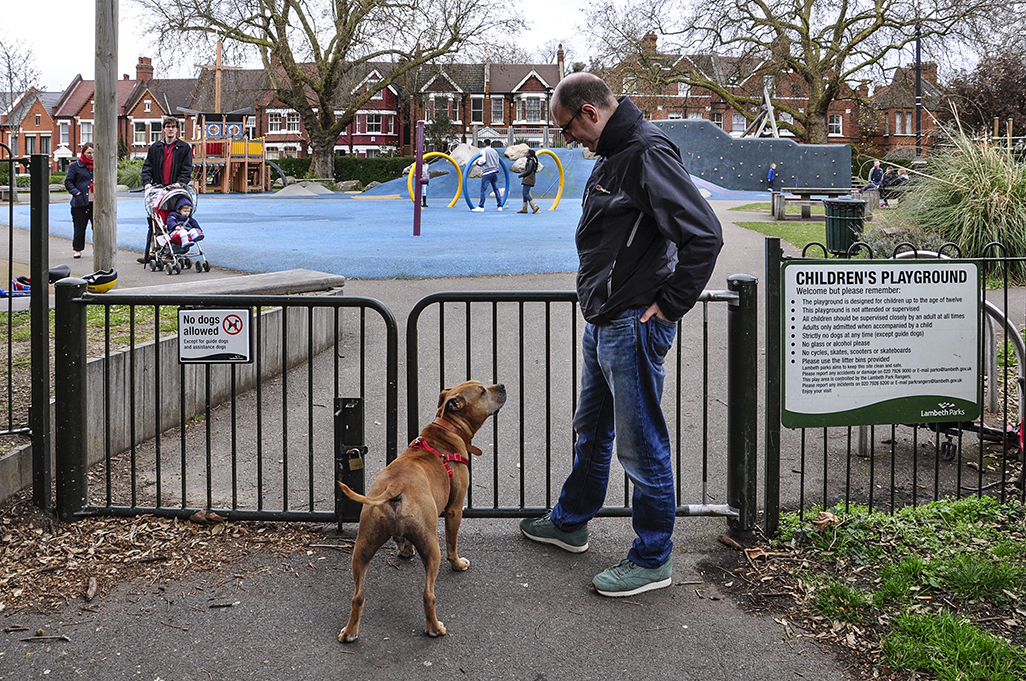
(381, 499)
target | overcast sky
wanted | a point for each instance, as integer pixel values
(66, 47)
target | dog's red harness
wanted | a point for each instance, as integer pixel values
(421, 443)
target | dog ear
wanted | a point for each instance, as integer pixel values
(441, 396)
(456, 403)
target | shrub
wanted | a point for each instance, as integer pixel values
(368, 170)
(130, 172)
(294, 167)
(971, 195)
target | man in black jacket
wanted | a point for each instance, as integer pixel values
(169, 164)
(647, 243)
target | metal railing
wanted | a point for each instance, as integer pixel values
(885, 467)
(247, 441)
(530, 342)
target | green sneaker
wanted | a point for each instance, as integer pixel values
(628, 579)
(544, 531)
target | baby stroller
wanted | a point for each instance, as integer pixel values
(173, 251)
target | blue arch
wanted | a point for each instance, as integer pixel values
(466, 179)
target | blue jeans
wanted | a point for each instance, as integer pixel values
(621, 390)
(527, 192)
(493, 179)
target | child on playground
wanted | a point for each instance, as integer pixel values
(182, 228)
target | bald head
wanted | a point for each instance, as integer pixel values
(581, 88)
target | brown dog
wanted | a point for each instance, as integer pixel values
(426, 481)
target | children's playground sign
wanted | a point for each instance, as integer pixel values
(215, 336)
(875, 343)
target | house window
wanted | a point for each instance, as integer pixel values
(738, 122)
(146, 105)
(30, 145)
(496, 110)
(477, 110)
(156, 131)
(380, 94)
(374, 123)
(292, 122)
(274, 122)
(834, 124)
(910, 128)
(675, 116)
(532, 110)
(140, 134)
(694, 115)
(371, 153)
(251, 126)
(717, 119)
(87, 131)
(39, 119)
(44, 145)
(65, 134)
(683, 90)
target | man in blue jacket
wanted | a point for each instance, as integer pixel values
(647, 243)
(168, 163)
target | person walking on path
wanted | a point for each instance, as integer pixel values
(489, 163)
(527, 179)
(647, 243)
(79, 182)
(168, 163)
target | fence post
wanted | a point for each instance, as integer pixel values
(39, 271)
(350, 455)
(772, 442)
(742, 400)
(71, 420)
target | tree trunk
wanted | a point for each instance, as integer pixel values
(323, 159)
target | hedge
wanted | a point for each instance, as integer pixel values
(368, 170)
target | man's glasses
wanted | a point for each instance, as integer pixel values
(565, 130)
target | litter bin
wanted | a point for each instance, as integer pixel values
(843, 223)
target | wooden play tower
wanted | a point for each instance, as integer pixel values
(228, 160)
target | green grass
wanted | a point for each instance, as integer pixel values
(905, 573)
(951, 648)
(798, 234)
(792, 209)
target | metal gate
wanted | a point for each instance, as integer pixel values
(530, 342)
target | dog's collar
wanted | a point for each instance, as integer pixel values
(463, 436)
(421, 443)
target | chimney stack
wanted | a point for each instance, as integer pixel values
(648, 44)
(144, 70)
(560, 67)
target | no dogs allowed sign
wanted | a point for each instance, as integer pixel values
(215, 336)
(873, 343)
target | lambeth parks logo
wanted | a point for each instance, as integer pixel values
(943, 409)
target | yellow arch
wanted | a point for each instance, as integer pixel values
(559, 165)
(459, 176)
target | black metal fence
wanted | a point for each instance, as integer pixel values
(246, 441)
(889, 466)
(138, 432)
(530, 342)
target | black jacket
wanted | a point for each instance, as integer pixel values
(181, 164)
(77, 182)
(646, 234)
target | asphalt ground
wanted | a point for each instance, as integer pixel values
(522, 611)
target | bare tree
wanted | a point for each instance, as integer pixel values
(825, 46)
(17, 70)
(311, 49)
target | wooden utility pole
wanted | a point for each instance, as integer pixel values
(218, 68)
(105, 137)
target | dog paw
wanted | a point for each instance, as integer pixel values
(435, 632)
(343, 637)
(460, 564)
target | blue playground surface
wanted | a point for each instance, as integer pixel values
(370, 235)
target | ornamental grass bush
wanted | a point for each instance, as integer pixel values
(972, 195)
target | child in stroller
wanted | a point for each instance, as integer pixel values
(182, 226)
(176, 234)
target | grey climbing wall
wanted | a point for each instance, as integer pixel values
(742, 163)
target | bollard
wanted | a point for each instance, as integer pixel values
(742, 412)
(70, 432)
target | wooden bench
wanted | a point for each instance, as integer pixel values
(805, 197)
